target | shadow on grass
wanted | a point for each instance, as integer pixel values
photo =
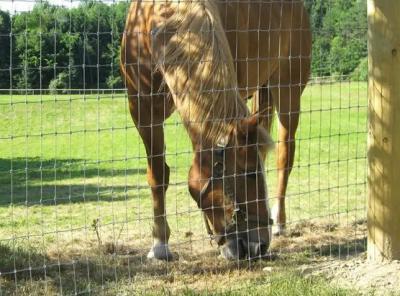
(87, 274)
(92, 270)
(52, 182)
(20, 268)
(343, 250)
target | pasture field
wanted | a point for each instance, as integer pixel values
(75, 207)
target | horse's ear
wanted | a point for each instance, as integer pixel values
(249, 127)
(249, 124)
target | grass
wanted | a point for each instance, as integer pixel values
(74, 197)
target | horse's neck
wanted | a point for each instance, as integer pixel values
(197, 66)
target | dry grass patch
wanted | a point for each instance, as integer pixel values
(97, 261)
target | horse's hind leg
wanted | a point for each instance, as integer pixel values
(148, 115)
(267, 99)
(287, 104)
(263, 104)
(289, 83)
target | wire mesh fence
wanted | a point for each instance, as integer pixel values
(76, 209)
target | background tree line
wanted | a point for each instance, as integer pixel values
(339, 37)
(56, 47)
(60, 48)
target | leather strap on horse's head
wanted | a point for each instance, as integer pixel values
(241, 217)
(218, 169)
(217, 173)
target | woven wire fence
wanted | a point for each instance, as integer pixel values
(75, 207)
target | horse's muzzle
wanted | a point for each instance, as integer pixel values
(257, 249)
(234, 249)
(245, 246)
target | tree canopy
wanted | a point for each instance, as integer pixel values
(60, 48)
(339, 37)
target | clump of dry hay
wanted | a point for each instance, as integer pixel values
(103, 258)
(321, 235)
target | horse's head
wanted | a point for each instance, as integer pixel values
(228, 183)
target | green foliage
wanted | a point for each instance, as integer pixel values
(50, 44)
(53, 47)
(61, 82)
(361, 72)
(5, 24)
(339, 35)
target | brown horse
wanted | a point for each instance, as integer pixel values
(204, 59)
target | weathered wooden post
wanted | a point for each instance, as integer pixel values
(384, 130)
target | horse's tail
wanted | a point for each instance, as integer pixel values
(193, 53)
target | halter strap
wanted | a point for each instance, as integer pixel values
(240, 214)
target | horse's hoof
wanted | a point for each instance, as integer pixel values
(279, 229)
(233, 249)
(160, 251)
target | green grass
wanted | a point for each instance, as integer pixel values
(67, 161)
(276, 283)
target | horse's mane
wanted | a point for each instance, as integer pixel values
(193, 53)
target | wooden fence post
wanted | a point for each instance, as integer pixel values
(384, 130)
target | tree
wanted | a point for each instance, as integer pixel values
(339, 35)
(57, 47)
(5, 29)
(347, 20)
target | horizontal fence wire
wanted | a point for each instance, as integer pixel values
(76, 208)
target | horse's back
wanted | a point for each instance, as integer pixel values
(261, 36)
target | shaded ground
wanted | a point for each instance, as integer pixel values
(312, 253)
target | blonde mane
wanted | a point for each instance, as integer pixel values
(192, 52)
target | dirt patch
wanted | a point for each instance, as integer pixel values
(367, 277)
(340, 256)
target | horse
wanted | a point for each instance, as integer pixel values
(205, 59)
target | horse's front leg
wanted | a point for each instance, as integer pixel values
(149, 117)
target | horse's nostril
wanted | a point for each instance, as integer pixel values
(257, 249)
(234, 249)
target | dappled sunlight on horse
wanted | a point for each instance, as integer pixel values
(204, 59)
